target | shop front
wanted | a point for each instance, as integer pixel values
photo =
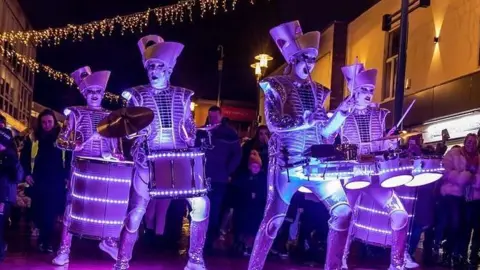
(457, 126)
(16, 126)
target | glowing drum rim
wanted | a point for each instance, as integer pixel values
(362, 176)
(426, 170)
(395, 172)
(321, 171)
(178, 174)
(100, 191)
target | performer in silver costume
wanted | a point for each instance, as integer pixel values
(296, 117)
(173, 128)
(79, 134)
(365, 124)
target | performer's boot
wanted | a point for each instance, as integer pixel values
(63, 253)
(127, 241)
(348, 244)
(110, 247)
(399, 243)
(335, 249)
(198, 233)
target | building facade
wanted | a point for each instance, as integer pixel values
(443, 64)
(16, 81)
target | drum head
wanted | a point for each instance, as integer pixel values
(424, 179)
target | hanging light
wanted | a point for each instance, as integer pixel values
(263, 58)
(258, 68)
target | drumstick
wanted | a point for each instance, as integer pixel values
(390, 132)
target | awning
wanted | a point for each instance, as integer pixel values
(14, 123)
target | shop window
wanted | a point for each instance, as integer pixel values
(391, 64)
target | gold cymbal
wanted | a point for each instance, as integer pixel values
(124, 122)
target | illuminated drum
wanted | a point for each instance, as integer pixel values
(100, 193)
(426, 170)
(178, 174)
(395, 172)
(372, 222)
(362, 175)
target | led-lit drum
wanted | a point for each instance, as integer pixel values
(426, 170)
(178, 174)
(372, 223)
(100, 194)
(395, 172)
(362, 175)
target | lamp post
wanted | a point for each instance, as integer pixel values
(260, 67)
(220, 69)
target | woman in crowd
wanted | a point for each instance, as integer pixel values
(461, 170)
(11, 174)
(48, 180)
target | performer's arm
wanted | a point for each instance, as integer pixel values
(189, 128)
(67, 139)
(332, 127)
(275, 98)
(134, 100)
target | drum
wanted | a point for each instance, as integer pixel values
(395, 172)
(100, 192)
(426, 170)
(317, 170)
(178, 174)
(372, 223)
(362, 175)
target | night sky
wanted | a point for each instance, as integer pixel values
(244, 33)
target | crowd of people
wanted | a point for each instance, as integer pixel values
(238, 173)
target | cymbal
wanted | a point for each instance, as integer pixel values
(208, 127)
(124, 122)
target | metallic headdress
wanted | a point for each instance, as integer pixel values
(84, 79)
(357, 76)
(291, 41)
(155, 47)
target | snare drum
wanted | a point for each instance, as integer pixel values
(395, 172)
(362, 175)
(100, 192)
(178, 174)
(426, 170)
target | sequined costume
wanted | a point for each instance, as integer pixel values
(79, 135)
(288, 103)
(365, 124)
(172, 128)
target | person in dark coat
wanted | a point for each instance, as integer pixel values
(223, 154)
(11, 173)
(250, 202)
(48, 180)
(259, 143)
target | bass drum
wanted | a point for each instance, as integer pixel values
(99, 197)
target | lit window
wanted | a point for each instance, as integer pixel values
(391, 64)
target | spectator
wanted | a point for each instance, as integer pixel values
(48, 179)
(223, 157)
(11, 174)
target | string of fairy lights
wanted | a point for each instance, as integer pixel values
(24, 61)
(135, 22)
(132, 23)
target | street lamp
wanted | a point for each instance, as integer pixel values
(263, 58)
(258, 69)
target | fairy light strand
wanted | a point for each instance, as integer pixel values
(132, 23)
(25, 61)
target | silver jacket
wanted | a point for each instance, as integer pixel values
(286, 103)
(173, 126)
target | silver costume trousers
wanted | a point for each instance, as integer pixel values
(136, 210)
(280, 193)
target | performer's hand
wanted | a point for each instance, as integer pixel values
(308, 118)
(319, 116)
(29, 180)
(347, 105)
(119, 157)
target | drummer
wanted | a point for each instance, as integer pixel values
(173, 129)
(79, 135)
(362, 127)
